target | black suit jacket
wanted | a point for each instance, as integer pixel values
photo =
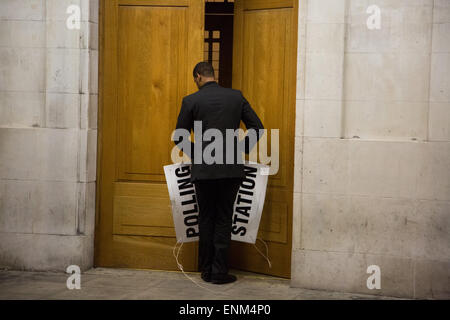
(218, 108)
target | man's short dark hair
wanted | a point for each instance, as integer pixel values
(204, 69)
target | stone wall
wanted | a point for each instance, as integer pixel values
(48, 134)
(372, 177)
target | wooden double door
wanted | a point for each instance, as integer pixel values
(148, 50)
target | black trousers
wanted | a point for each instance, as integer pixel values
(215, 200)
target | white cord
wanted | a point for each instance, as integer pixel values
(266, 256)
(180, 266)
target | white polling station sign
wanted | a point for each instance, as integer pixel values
(248, 205)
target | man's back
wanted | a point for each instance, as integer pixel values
(217, 108)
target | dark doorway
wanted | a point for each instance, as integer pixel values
(219, 39)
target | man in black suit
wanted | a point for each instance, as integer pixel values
(216, 182)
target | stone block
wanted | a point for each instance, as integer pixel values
(22, 10)
(55, 207)
(86, 208)
(325, 38)
(433, 225)
(440, 81)
(56, 10)
(22, 69)
(16, 207)
(34, 154)
(29, 206)
(89, 111)
(386, 120)
(21, 109)
(301, 77)
(433, 181)
(299, 110)
(93, 10)
(432, 279)
(372, 225)
(325, 165)
(87, 155)
(383, 168)
(298, 159)
(441, 11)
(20, 33)
(386, 77)
(439, 122)
(323, 118)
(57, 154)
(90, 208)
(405, 26)
(59, 36)
(89, 71)
(62, 110)
(347, 272)
(18, 157)
(42, 252)
(93, 74)
(63, 70)
(441, 37)
(323, 76)
(326, 11)
(89, 36)
(297, 221)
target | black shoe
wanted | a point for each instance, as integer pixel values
(223, 279)
(206, 276)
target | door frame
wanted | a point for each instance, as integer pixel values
(101, 52)
(100, 125)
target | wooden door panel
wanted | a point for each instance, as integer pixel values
(264, 68)
(152, 80)
(268, 4)
(266, 44)
(273, 226)
(148, 50)
(142, 209)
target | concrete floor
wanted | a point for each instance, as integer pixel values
(105, 284)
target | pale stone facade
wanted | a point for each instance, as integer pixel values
(372, 164)
(372, 177)
(48, 134)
